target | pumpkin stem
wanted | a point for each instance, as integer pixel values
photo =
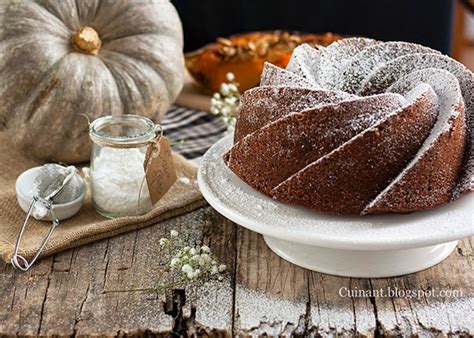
(86, 40)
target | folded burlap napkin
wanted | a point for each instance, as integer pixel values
(86, 226)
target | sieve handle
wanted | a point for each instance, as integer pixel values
(18, 261)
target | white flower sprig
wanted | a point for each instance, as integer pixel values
(225, 102)
(185, 264)
(191, 263)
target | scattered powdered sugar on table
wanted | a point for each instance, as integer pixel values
(214, 304)
(116, 176)
(184, 180)
(441, 314)
(279, 312)
(342, 316)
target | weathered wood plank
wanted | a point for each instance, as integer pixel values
(22, 297)
(437, 314)
(271, 295)
(62, 295)
(260, 294)
(209, 308)
(333, 312)
(120, 263)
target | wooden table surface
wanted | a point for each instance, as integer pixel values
(261, 293)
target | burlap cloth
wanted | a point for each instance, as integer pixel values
(86, 226)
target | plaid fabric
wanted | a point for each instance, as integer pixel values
(192, 131)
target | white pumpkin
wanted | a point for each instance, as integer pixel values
(62, 59)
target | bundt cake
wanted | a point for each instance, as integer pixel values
(359, 127)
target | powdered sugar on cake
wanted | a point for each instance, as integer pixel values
(439, 88)
(263, 105)
(370, 58)
(447, 89)
(305, 63)
(336, 56)
(275, 76)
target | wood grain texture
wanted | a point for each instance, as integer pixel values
(271, 295)
(260, 294)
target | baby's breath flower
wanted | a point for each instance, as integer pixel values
(224, 89)
(232, 87)
(184, 264)
(175, 262)
(230, 77)
(186, 268)
(192, 262)
(216, 101)
(225, 102)
(225, 110)
(204, 259)
(230, 100)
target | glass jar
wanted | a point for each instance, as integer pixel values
(117, 173)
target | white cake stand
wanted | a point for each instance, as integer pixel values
(366, 246)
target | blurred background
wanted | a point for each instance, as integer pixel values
(212, 51)
(463, 33)
(445, 25)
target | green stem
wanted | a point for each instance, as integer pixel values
(155, 289)
(129, 290)
(159, 278)
(170, 285)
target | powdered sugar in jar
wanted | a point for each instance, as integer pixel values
(117, 173)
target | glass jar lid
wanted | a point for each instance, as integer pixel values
(123, 131)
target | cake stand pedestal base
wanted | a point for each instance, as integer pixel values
(360, 263)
